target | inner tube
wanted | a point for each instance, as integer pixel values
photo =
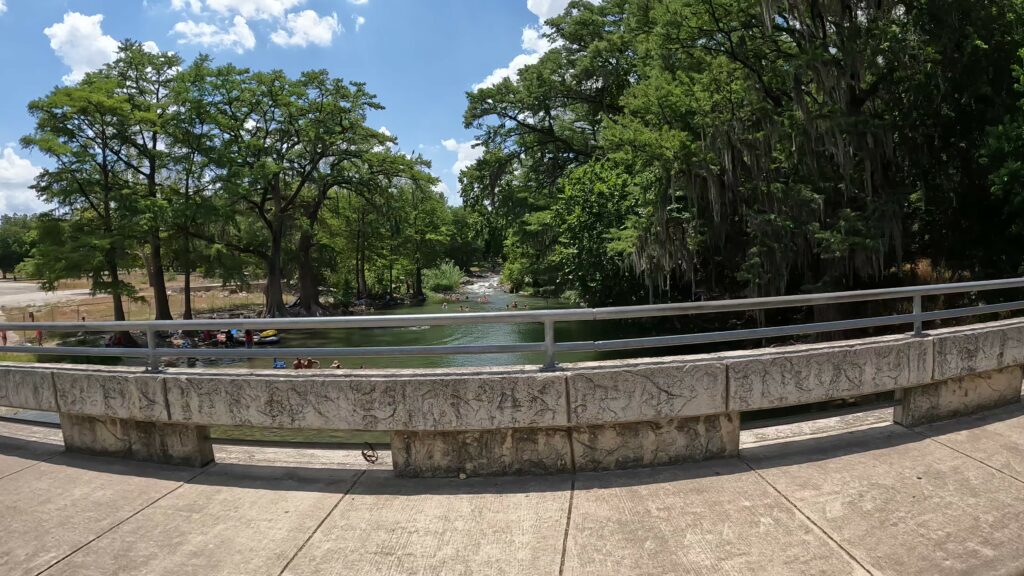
(268, 333)
(270, 340)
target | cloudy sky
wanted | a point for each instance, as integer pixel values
(418, 56)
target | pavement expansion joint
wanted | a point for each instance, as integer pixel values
(125, 519)
(321, 522)
(807, 518)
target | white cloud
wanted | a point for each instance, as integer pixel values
(151, 47)
(238, 37)
(16, 175)
(80, 43)
(305, 28)
(545, 9)
(359, 2)
(466, 152)
(442, 188)
(196, 6)
(510, 71)
(533, 42)
(392, 146)
(253, 9)
(359, 22)
(3, 7)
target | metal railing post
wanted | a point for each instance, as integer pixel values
(152, 363)
(549, 344)
(917, 313)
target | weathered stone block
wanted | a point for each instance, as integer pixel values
(959, 396)
(481, 452)
(644, 393)
(108, 393)
(371, 404)
(176, 444)
(29, 388)
(642, 444)
(770, 380)
(963, 352)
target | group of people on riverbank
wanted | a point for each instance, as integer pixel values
(308, 364)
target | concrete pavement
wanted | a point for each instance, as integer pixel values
(847, 495)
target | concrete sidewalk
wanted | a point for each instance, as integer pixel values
(850, 495)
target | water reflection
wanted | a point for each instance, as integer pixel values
(495, 300)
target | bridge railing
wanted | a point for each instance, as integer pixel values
(548, 318)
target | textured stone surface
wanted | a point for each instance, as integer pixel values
(640, 444)
(508, 451)
(108, 393)
(371, 404)
(707, 519)
(160, 442)
(769, 380)
(27, 388)
(987, 347)
(959, 396)
(641, 393)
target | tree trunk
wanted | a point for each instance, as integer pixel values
(186, 313)
(309, 289)
(273, 306)
(119, 315)
(417, 289)
(361, 290)
(162, 305)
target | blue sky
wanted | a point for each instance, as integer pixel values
(419, 57)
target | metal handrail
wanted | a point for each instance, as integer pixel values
(546, 317)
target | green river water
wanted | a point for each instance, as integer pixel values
(454, 335)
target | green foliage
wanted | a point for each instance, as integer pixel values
(17, 238)
(445, 277)
(669, 148)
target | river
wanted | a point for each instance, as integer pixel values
(497, 300)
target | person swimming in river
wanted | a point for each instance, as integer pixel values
(515, 304)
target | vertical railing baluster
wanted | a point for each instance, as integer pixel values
(549, 344)
(917, 312)
(152, 364)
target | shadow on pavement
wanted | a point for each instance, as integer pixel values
(382, 482)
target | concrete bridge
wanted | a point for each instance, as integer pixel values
(625, 467)
(583, 418)
(849, 495)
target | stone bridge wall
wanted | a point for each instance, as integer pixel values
(583, 417)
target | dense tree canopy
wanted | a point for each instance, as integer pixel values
(667, 148)
(235, 173)
(660, 150)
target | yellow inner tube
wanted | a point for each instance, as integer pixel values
(268, 333)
